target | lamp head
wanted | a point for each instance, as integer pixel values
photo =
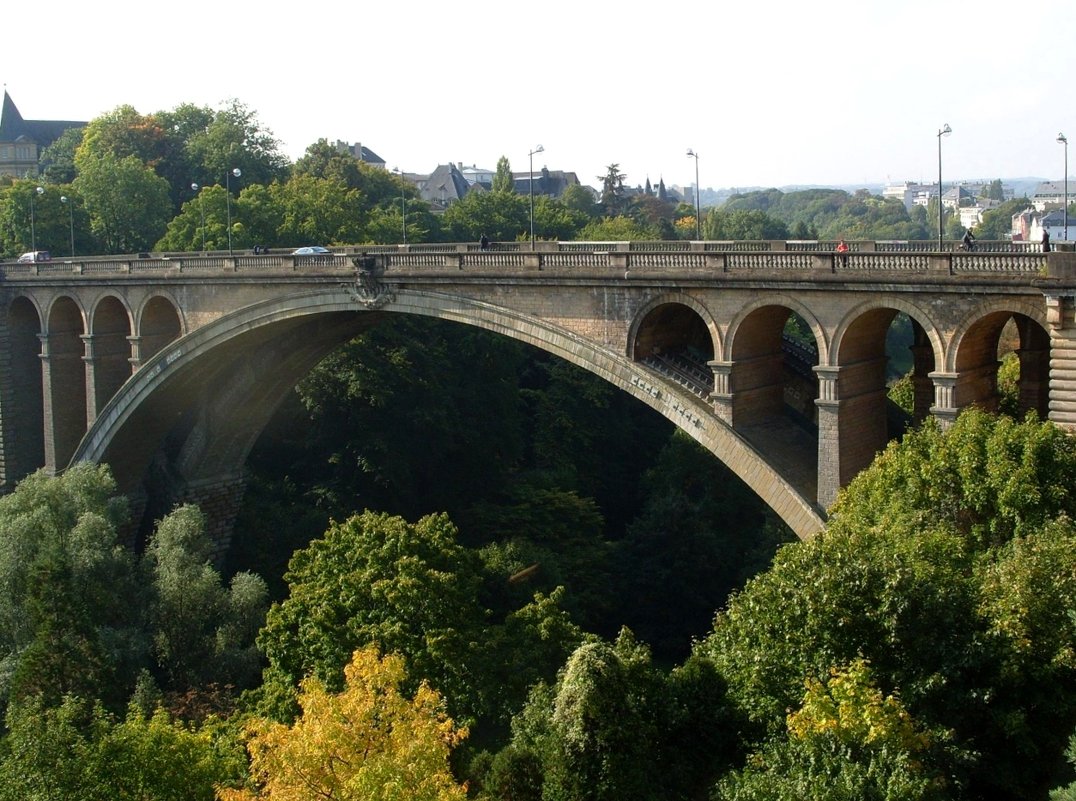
(63, 198)
(195, 187)
(1062, 139)
(237, 172)
(40, 190)
(692, 153)
(945, 130)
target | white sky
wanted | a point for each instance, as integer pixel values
(768, 93)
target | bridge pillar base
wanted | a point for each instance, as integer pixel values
(219, 500)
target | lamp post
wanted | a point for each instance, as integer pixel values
(70, 220)
(33, 232)
(698, 219)
(403, 203)
(945, 130)
(201, 208)
(1061, 138)
(228, 187)
(530, 187)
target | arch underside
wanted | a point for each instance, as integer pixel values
(193, 412)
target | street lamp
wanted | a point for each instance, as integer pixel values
(530, 187)
(33, 233)
(228, 187)
(698, 219)
(70, 220)
(945, 130)
(1064, 140)
(403, 203)
(201, 208)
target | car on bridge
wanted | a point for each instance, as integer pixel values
(35, 256)
(311, 250)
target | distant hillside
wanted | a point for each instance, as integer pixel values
(1022, 187)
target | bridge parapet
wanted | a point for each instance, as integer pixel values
(690, 259)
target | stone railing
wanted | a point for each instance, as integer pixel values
(695, 258)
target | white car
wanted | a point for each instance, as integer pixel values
(311, 250)
(35, 256)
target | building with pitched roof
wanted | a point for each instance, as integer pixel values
(21, 141)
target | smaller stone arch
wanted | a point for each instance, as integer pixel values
(789, 302)
(64, 380)
(973, 357)
(160, 322)
(917, 314)
(678, 339)
(23, 394)
(672, 298)
(108, 351)
(766, 388)
(928, 347)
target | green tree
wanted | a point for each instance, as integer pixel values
(235, 138)
(69, 612)
(205, 215)
(502, 179)
(614, 198)
(1067, 792)
(378, 580)
(76, 750)
(203, 632)
(313, 211)
(997, 223)
(127, 202)
(847, 742)
(616, 727)
(995, 190)
(580, 199)
(615, 229)
(323, 160)
(57, 161)
(501, 216)
(737, 224)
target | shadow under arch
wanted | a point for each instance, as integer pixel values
(672, 299)
(204, 399)
(867, 419)
(973, 356)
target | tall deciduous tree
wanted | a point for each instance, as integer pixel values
(128, 203)
(502, 179)
(368, 742)
(203, 631)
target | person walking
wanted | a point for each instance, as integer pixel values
(968, 242)
(1045, 241)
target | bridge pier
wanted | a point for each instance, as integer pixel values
(63, 380)
(721, 395)
(829, 436)
(218, 498)
(1061, 319)
(944, 409)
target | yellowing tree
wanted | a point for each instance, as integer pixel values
(368, 742)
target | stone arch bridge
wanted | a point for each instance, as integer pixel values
(169, 368)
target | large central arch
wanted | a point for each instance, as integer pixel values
(200, 403)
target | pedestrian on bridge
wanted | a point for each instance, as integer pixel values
(1045, 241)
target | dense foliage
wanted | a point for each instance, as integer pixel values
(949, 565)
